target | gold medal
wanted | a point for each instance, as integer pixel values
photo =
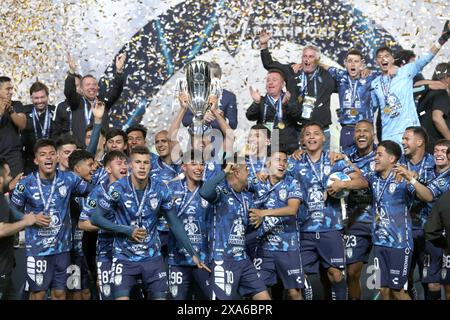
(281, 125)
(387, 110)
(354, 112)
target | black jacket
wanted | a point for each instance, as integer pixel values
(438, 221)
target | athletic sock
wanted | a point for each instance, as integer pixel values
(339, 290)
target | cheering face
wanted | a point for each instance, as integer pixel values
(354, 65)
(89, 87)
(410, 143)
(278, 165)
(257, 141)
(313, 138)
(162, 144)
(63, 154)
(274, 84)
(363, 135)
(136, 138)
(85, 169)
(194, 170)
(140, 166)
(385, 61)
(309, 60)
(39, 100)
(117, 168)
(116, 143)
(87, 139)
(46, 160)
(6, 91)
(440, 156)
(383, 160)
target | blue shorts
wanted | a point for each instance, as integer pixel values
(182, 278)
(251, 242)
(432, 264)
(152, 272)
(47, 272)
(326, 248)
(393, 266)
(358, 242)
(232, 280)
(445, 272)
(105, 279)
(287, 265)
(418, 254)
(78, 274)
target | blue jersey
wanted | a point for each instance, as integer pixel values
(359, 202)
(137, 208)
(76, 205)
(193, 211)
(254, 166)
(439, 186)
(354, 97)
(418, 209)
(230, 219)
(277, 233)
(394, 97)
(211, 169)
(105, 238)
(391, 200)
(318, 212)
(33, 195)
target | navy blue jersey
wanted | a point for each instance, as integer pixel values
(33, 195)
(438, 186)
(418, 209)
(211, 169)
(140, 209)
(318, 212)
(391, 200)
(105, 238)
(354, 96)
(193, 211)
(277, 233)
(359, 202)
(99, 175)
(230, 219)
(254, 166)
(77, 204)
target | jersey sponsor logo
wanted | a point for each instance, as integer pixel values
(20, 188)
(128, 204)
(192, 228)
(237, 233)
(115, 195)
(204, 203)
(211, 166)
(92, 203)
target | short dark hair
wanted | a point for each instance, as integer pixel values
(281, 73)
(38, 86)
(260, 126)
(41, 143)
(448, 152)
(403, 56)
(65, 139)
(3, 163)
(355, 52)
(383, 48)
(392, 148)
(441, 71)
(313, 123)
(77, 156)
(111, 155)
(90, 127)
(77, 75)
(113, 132)
(4, 79)
(137, 127)
(139, 150)
(419, 131)
(442, 142)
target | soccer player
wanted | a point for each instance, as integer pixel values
(136, 136)
(416, 159)
(358, 238)
(46, 194)
(234, 274)
(321, 218)
(393, 94)
(194, 212)
(137, 200)
(277, 201)
(116, 166)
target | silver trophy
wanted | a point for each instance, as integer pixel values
(200, 86)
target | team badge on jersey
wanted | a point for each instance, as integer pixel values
(372, 165)
(327, 170)
(39, 279)
(283, 194)
(63, 191)
(153, 203)
(392, 187)
(210, 166)
(204, 203)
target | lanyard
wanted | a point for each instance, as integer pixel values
(167, 166)
(422, 164)
(380, 193)
(304, 83)
(241, 200)
(353, 90)
(253, 166)
(278, 109)
(142, 202)
(87, 112)
(52, 191)
(45, 131)
(443, 174)
(184, 202)
(385, 87)
(313, 168)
